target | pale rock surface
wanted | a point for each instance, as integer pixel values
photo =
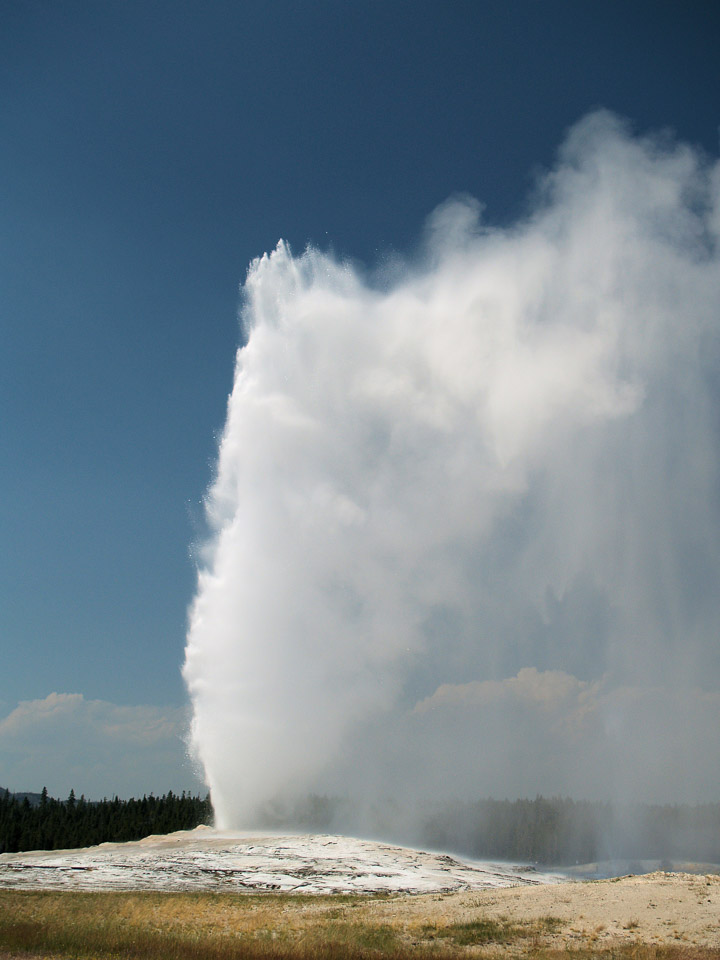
(203, 859)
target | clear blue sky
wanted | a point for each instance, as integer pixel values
(150, 150)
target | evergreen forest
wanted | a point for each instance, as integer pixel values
(561, 831)
(53, 824)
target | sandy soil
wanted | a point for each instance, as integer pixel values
(657, 908)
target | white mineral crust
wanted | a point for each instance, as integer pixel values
(203, 859)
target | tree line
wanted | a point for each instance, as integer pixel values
(550, 831)
(561, 831)
(52, 824)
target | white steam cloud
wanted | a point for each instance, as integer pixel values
(466, 522)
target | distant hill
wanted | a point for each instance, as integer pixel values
(33, 798)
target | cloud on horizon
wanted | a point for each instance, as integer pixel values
(645, 743)
(95, 747)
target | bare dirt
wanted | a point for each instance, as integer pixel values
(660, 908)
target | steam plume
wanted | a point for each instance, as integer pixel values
(465, 522)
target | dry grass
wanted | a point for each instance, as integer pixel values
(211, 926)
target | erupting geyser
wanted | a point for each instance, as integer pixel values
(465, 522)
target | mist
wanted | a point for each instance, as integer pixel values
(464, 528)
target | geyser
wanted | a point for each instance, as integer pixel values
(465, 524)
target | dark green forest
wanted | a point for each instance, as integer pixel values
(51, 824)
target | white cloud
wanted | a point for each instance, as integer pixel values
(94, 747)
(550, 690)
(539, 732)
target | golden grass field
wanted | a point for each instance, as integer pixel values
(661, 917)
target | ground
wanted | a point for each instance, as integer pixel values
(205, 896)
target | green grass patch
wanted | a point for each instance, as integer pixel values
(486, 930)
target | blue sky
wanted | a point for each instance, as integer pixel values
(152, 149)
